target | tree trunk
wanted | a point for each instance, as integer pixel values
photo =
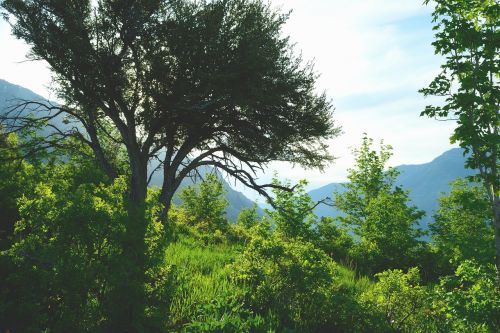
(128, 298)
(167, 191)
(496, 225)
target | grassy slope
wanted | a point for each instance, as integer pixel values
(204, 290)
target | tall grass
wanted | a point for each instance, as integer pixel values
(202, 278)
(205, 299)
(348, 278)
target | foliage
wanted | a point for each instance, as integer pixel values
(463, 227)
(378, 212)
(293, 212)
(469, 300)
(248, 217)
(69, 241)
(204, 298)
(70, 238)
(246, 224)
(205, 207)
(289, 278)
(16, 176)
(214, 83)
(333, 239)
(467, 36)
(293, 215)
(399, 297)
(226, 314)
(185, 82)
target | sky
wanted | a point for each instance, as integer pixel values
(372, 57)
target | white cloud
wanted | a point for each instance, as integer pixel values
(15, 68)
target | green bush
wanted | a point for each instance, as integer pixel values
(333, 239)
(62, 267)
(205, 205)
(292, 279)
(399, 297)
(463, 227)
(469, 300)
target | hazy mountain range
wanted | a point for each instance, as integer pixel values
(426, 182)
(10, 94)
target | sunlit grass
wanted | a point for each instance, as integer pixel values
(201, 277)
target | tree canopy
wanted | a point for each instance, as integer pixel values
(188, 83)
(467, 36)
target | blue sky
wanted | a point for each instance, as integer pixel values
(372, 55)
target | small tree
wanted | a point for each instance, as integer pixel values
(459, 241)
(378, 212)
(205, 206)
(248, 217)
(467, 35)
(293, 212)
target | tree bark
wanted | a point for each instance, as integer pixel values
(496, 226)
(167, 190)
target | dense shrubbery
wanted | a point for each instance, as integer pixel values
(60, 273)
(285, 272)
(290, 278)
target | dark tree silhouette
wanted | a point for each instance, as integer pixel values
(190, 83)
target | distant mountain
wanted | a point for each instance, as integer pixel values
(426, 182)
(10, 94)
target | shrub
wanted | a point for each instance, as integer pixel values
(399, 297)
(290, 278)
(62, 267)
(469, 300)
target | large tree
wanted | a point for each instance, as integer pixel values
(187, 83)
(467, 36)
